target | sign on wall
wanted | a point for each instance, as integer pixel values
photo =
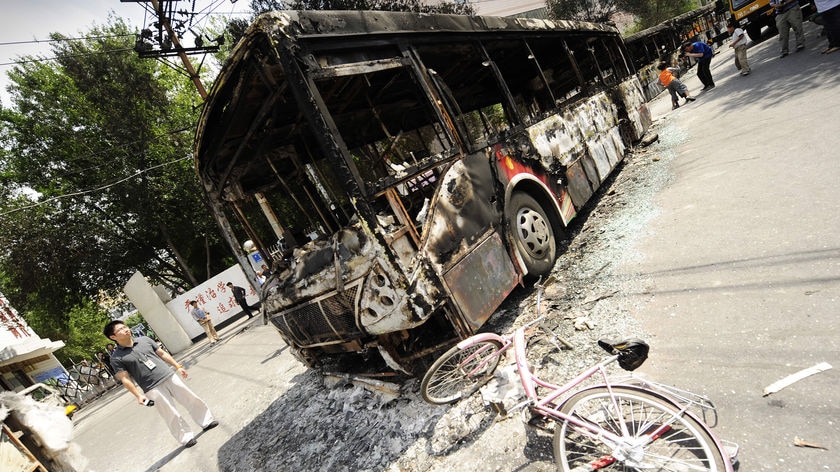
(215, 298)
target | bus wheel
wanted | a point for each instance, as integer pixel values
(532, 234)
(754, 32)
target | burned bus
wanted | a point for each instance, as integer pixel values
(401, 173)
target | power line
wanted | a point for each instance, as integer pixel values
(97, 189)
(37, 41)
(45, 59)
(106, 186)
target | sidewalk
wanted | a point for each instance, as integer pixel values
(238, 378)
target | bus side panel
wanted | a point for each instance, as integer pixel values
(463, 208)
(462, 241)
(482, 280)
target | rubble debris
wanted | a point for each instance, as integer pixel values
(388, 389)
(599, 296)
(799, 442)
(648, 139)
(583, 324)
(790, 379)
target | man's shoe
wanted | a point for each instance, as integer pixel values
(192, 442)
(745, 73)
(212, 425)
(831, 49)
(800, 47)
(783, 55)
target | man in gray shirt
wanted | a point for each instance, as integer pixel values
(142, 361)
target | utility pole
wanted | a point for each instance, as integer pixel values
(177, 44)
(170, 45)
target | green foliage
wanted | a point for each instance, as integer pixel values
(652, 12)
(647, 12)
(135, 320)
(84, 339)
(598, 11)
(102, 139)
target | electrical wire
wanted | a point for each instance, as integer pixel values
(106, 186)
(46, 59)
(97, 189)
(84, 38)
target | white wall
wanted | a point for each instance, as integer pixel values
(215, 298)
(149, 304)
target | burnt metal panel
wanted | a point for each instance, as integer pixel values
(481, 280)
(329, 319)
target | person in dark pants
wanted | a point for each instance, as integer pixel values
(703, 53)
(239, 296)
(830, 12)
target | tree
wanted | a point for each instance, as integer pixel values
(103, 138)
(647, 12)
(652, 12)
(85, 338)
(598, 11)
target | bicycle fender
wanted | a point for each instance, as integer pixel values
(479, 338)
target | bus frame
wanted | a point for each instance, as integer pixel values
(401, 174)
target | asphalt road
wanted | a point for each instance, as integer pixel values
(738, 277)
(742, 266)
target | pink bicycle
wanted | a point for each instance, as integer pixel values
(621, 423)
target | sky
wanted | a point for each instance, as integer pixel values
(33, 20)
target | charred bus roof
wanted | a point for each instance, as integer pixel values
(250, 114)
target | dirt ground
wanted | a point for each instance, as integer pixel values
(328, 423)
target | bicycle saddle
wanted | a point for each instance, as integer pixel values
(631, 352)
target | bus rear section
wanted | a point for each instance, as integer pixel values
(401, 174)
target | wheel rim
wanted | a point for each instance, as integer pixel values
(533, 232)
(681, 446)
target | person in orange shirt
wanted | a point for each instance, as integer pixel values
(673, 84)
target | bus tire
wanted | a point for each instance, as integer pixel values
(754, 31)
(532, 234)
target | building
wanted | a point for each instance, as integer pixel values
(25, 357)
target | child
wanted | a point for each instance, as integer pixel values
(739, 42)
(673, 84)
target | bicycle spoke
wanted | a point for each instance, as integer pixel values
(655, 435)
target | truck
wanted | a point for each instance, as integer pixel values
(753, 15)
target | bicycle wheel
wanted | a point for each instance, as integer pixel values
(685, 445)
(448, 379)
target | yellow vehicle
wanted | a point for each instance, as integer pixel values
(50, 396)
(753, 15)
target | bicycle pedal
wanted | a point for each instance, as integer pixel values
(540, 422)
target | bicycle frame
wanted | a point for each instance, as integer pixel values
(548, 406)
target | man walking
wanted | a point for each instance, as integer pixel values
(204, 320)
(788, 15)
(239, 296)
(144, 362)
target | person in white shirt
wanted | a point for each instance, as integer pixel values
(739, 42)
